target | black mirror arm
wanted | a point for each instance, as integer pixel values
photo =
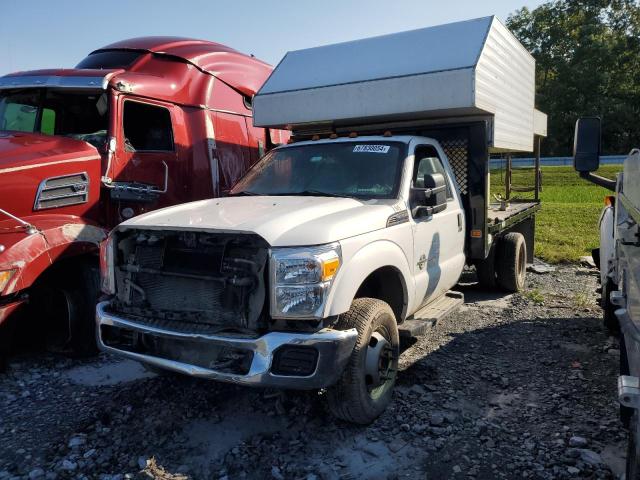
(600, 181)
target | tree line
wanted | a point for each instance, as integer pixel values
(587, 63)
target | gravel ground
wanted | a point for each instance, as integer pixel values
(521, 386)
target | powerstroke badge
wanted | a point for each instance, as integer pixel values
(371, 149)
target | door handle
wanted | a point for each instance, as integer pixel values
(459, 222)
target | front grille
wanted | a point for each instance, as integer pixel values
(198, 280)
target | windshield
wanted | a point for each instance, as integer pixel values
(345, 169)
(79, 115)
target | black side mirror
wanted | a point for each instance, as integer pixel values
(432, 198)
(586, 145)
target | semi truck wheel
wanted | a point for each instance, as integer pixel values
(67, 300)
(486, 270)
(511, 262)
(366, 385)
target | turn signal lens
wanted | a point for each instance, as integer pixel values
(329, 268)
(609, 200)
(5, 276)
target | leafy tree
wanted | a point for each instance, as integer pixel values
(588, 63)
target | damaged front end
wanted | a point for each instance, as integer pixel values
(197, 303)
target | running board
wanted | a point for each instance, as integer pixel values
(426, 318)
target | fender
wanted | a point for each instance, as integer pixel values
(58, 236)
(375, 255)
(607, 246)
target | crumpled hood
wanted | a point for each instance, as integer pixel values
(19, 149)
(281, 221)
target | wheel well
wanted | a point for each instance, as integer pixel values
(386, 284)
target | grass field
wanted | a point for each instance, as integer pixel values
(567, 225)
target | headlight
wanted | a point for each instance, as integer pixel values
(5, 276)
(300, 279)
(107, 274)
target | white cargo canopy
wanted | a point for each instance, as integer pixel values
(475, 68)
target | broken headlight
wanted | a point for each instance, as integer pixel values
(301, 278)
(107, 274)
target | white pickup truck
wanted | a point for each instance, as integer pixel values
(619, 260)
(330, 248)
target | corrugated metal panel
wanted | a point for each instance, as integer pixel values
(505, 85)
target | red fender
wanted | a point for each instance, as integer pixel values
(58, 236)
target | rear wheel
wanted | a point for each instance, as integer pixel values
(486, 271)
(609, 317)
(511, 262)
(366, 385)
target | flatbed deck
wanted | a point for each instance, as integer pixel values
(516, 211)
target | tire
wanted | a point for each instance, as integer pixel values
(486, 271)
(67, 301)
(610, 320)
(633, 455)
(511, 262)
(356, 397)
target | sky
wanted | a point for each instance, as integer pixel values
(44, 34)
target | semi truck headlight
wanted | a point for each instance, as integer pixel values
(301, 278)
(5, 276)
(107, 273)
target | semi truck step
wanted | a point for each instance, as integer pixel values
(426, 318)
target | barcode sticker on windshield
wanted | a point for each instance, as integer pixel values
(371, 148)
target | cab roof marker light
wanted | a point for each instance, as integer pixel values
(353, 135)
(387, 134)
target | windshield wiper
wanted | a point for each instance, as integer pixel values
(316, 193)
(244, 192)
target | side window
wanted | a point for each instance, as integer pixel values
(147, 128)
(428, 162)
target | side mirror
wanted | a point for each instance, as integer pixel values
(586, 145)
(431, 199)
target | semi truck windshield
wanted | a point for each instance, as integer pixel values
(345, 169)
(78, 115)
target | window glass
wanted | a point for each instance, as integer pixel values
(345, 169)
(147, 127)
(80, 115)
(110, 59)
(427, 162)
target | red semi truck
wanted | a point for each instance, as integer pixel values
(137, 125)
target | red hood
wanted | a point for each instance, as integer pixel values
(19, 149)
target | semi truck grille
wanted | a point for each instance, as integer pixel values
(62, 191)
(198, 280)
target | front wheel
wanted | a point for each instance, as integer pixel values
(366, 386)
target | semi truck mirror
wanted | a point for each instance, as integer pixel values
(586, 145)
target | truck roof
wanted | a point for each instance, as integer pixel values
(241, 72)
(475, 68)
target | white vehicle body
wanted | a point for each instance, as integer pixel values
(427, 253)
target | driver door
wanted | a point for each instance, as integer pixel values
(146, 156)
(438, 249)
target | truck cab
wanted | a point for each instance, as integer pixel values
(136, 126)
(332, 247)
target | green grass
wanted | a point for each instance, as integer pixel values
(567, 225)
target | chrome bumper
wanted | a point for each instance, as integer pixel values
(334, 348)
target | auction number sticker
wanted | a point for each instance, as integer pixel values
(371, 148)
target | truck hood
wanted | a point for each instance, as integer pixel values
(24, 150)
(281, 221)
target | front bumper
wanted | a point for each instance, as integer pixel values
(333, 348)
